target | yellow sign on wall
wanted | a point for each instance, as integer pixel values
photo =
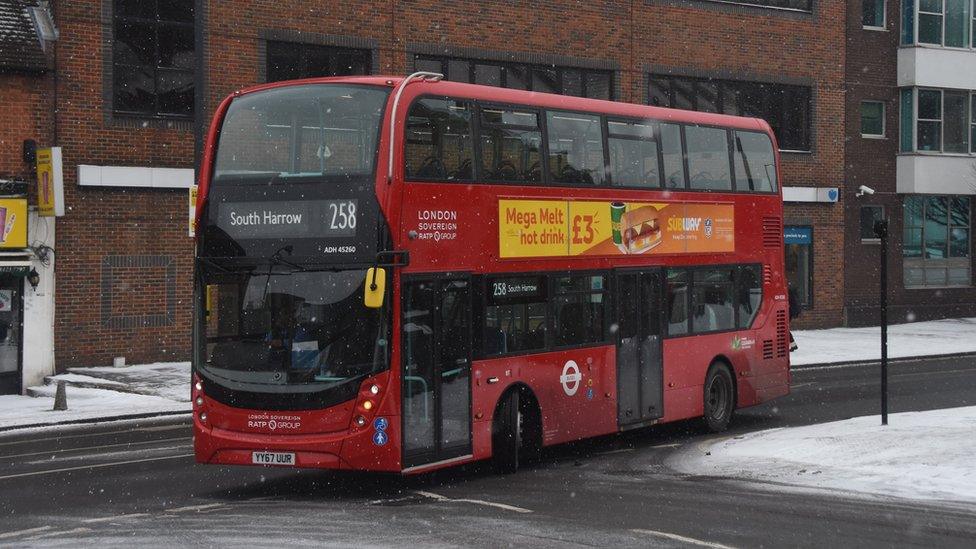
(50, 183)
(13, 223)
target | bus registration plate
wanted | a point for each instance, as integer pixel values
(273, 458)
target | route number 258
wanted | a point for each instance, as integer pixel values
(343, 215)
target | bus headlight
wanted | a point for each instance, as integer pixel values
(368, 405)
(203, 417)
(360, 421)
(199, 401)
(374, 389)
(198, 386)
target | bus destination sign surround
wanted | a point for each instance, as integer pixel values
(559, 228)
(289, 219)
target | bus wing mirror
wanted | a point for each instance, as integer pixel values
(375, 287)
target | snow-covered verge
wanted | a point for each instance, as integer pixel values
(936, 337)
(918, 455)
(164, 379)
(102, 394)
(84, 404)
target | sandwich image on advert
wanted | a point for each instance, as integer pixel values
(641, 229)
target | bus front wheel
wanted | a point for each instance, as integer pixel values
(719, 403)
(506, 434)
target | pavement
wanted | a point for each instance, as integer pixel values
(113, 485)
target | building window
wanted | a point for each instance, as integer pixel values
(873, 14)
(872, 119)
(153, 58)
(944, 122)
(798, 244)
(946, 23)
(592, 83)
(290, 61)
(870, 215)
(787, 108)
(936, 241)
(907, 116)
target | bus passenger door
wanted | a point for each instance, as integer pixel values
(436, 340)
(640, 368)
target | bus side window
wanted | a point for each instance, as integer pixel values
(511, 145)
(575, 148)
(755, 162)
(438, 141)
(633, 149)
(677, 302)
(712, 300)
(674, 165)
(515, 318)
(708, 158)
(748, 294)
(579, 310)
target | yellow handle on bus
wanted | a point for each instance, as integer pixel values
(375, 287)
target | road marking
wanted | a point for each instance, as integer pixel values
(617, 451)
(8, 535)
(83, 435)
(670, 445)
(194, 508)
(96, 466)
(676, 537)
(116, 517)
(79, 530)
(95, 447)
(110, 455)
(504, 506)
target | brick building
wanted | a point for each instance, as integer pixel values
(911, 115)
(132, 84)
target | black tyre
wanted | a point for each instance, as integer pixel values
(506, 434)
(719, 398)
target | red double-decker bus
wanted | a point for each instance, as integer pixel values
(400, 274)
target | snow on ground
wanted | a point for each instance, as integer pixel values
(102, 393)
(83, 404)
(918, 455)
(169, 380)
(936, 337)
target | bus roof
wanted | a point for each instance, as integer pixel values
(535, 99)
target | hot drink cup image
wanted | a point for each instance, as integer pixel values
(641, 230)
(617, 210)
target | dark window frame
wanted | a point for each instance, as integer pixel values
(871, 239)
(158, 21)
(527, 67)
(304, 49)
(666, 83)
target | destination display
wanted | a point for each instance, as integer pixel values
(292, 219)
(558, 228)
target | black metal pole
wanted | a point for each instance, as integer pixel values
(881, 229)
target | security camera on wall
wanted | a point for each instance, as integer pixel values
(863, 190)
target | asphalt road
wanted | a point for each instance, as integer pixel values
(126, 485)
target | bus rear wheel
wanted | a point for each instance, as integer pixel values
(719, 398)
